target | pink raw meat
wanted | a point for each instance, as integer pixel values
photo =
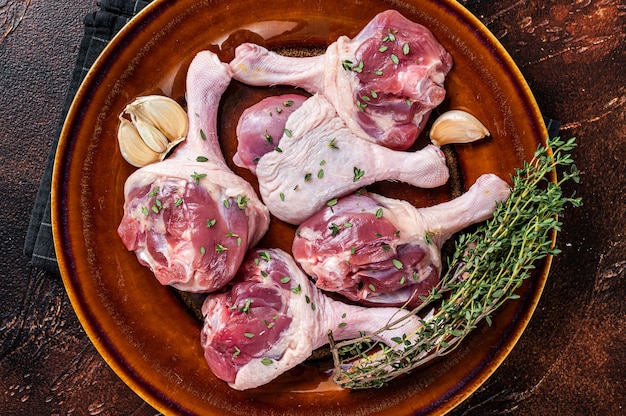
(272, 319)
(261, 127)
(382, 251)
(383, 83)
(321, 159)
(189, 218)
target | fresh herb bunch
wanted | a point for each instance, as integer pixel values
(484, 271)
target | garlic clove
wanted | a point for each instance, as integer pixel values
(150, 134)
(132, 146)
(163, 113)
(457, 126)
(157, 124)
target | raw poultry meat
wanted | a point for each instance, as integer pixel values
(382, 251)
(320, 159)
(189, 218)
(273, 318)
(383, 83)
(261, 127)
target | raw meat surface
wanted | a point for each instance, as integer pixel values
(383, 83)
(261, 127)
(321, 159)
(190, 219)
(381, 251)
(273, 317)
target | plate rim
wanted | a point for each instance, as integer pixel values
(62, 242)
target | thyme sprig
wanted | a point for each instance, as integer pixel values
(486, 268)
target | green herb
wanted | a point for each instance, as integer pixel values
(197, 176)
(266, 361)
(145, 211)
(358, 67)
(405, 49)
(202, 134)
(287, 132)
(358, 174)
(242, 201)
(210, 223)
(483, 272)
(332, 144)
(202, 159)
(220, 248)
(282, 196)
(246, 307)
(178, 202)
(248, 334)
(394, 59)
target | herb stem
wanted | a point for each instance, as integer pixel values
(487, 267)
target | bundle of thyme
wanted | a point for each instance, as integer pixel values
(486, 268)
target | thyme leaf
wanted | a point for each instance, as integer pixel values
(486, 268)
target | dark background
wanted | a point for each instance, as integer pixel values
(571, 360)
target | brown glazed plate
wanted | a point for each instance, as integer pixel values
(145, 332)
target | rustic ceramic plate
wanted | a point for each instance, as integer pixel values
(143, 330)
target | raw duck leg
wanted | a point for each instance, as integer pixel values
(320, 159)
(383, 83)
(382, 251)
(189, 218)
(273, 318)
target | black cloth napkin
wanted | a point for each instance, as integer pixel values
(100, 27)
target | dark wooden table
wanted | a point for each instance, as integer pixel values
(571, 360)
